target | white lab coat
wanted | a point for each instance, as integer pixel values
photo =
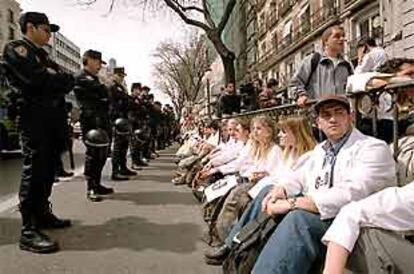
(228, 152)
(245, 164)
(364, 165)
(391, 209)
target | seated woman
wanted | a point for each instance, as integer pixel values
(241, 135)
(261, 157)
(296, 138)
(390, 209)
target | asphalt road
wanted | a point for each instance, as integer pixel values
(148, 226)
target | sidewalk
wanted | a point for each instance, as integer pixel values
(147, 226)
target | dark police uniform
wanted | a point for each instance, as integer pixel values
(138, 117)
(92, 97)
(120, 104)
(41, 90)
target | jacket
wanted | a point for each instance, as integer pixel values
(327, 78)
(390, 209)
(363, 166)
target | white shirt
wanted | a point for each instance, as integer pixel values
(391, 209)
(245, 164)
(363, 166)
(372, 60)
(227, 153)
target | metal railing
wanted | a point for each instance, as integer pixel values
(365, 104)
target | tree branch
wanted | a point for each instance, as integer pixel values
(226, 16)
(185, 18)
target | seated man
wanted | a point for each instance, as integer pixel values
(347, 167)
(391, 209)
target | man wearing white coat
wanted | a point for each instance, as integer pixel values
(347, 167)
(391, 209)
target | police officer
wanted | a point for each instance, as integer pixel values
(119, 108)
(92, 97)
(41, 89)
(138, 116)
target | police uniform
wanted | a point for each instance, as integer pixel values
(120, 104)
(41, 88)
(93, 99)
(138, 117)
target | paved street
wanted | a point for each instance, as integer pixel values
(147, 226)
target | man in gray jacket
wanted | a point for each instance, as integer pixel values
(322, 73)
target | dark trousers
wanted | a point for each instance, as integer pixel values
(119, 153)
(40, 147)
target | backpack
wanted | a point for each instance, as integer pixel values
(252, 239)
(405, 160)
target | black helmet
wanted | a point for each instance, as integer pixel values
(96, 138)
(122, 126)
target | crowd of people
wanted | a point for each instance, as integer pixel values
(277, 198)
(112, 122)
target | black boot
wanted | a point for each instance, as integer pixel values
(119, 177)
(46, 219)
(102, 190)
(127, 172)
(31, 239)
(92, 193)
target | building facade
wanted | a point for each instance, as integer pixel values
(64, 52)
(9, 22)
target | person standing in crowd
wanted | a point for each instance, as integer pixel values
(229, 101)
(41, 87)
(119, 106)
(137, 117)
(267, 98)
(67, 142)
(92, 97)
(322, 73)
(370, 56)
(347, 167)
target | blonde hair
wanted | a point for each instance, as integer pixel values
(260, 150)
(300, 129)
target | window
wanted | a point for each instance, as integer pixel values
(11, 33)
(11, 16)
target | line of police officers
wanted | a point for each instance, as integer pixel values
(107, 112)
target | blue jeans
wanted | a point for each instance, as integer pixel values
(251, 212)
(294, 246)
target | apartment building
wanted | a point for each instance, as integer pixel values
(289, 30)
(9, 18)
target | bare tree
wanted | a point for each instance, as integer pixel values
(197, 13)
(180, 70)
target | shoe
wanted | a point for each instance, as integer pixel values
(214, 261)
(93, 196)
(127, 172)
(34, 241)
(218, 253)
(50, 221)
(141, 163)
(178, 181)
(119, 177)
(56, 180)
(64, 174)
(102, 190)
(136, 167)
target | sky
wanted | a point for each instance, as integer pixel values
(127, 33)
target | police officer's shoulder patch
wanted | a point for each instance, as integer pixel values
(21, 50)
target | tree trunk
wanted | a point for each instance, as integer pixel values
(229, 71)
(226, 56)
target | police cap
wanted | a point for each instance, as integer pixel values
(120, 71)
(36, 18)
(94, 54)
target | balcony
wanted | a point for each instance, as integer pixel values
(309, 28)
(285, 6)
(260, 4)
(272, 20)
